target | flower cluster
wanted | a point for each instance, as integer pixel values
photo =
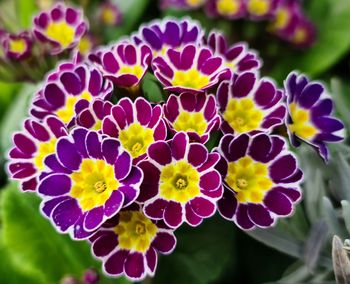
(286, 18)
(125, 173)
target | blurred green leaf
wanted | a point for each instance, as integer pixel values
(36, 246)
(330, 215)
(151, 88)
(25, 10)
(333, 40)
(341, 263)
(201, 256)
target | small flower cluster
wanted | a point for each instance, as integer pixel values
(125, 176)
(286, 18)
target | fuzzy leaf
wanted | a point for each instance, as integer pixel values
(331, 219)
(341, 263)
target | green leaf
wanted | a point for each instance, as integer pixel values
(25, 10)
(201, 256)
(341, 262)
(331, 218)
(151, 88)
(36, 246)
(333, 40)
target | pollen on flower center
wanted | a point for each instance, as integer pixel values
(61, 32)
(136, 148)
(134, 70)
(100, 186)
(282, 19)
(17, 45)
(258, 7)
(228, 7)
(181, 183)
(242, 183)
(140, 228)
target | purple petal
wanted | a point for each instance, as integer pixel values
(260, 215)
(173, 214)
(203, 207)
(278, 203)
(164, 242)
(55, 185)
(134, 266)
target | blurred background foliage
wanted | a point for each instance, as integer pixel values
(297, 250)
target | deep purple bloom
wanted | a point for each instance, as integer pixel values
(237, 57)
(110, 14)
(90, 179)
(181, 4)
(262, 9)
(304, 33)
(62, 27)
(136, 124)
(180, 183)
(261, 180)
(160, 35)
(191, 69)
(68, 90)
(230, 9)
(195, 114)
(249, 104)
(31, 146)
(17, 46)
(129, 243)
(125, 63)
(310, 114)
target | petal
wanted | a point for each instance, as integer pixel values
(55, 185)
(114, 203)
(227, 205)
(260, 215)
(156, 208)
(278, 203)
(134, 266)
(66, 214)
(203, 207)
(160, 152)
(164, 242)
(105, 244)
(115, 263)
(179, 145)
(197, 154)
(68, 155)
(173, 214)
(94, 218)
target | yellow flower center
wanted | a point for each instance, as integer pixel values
(228, 7)
(282, 19)
(67, 112)
(258, 7)
(17, 45)
(135, 231)
(194, 3)
(300, 35)
(44, 149)
(249, 179)
(108, 16)
(191, 79)
(191, 122)
(61, 32)
(133, 70)
(85, 45)
(93, 183)
(97, 126)
(179, 182)
(231, 65)
(242, 115)
(301, 124)
(136, 139)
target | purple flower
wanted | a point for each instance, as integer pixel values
(310, 114)
(181, 4)
(180, 183)
(92, 116)
(129, 243)
(110, 14)
(125, 63)
(169, 33)
(62, 27)
(136, 124)
(195, 114)
(249, 104)
(68, 90)
(86, 44)
(304, 33)
(238, 58)
(31, 146)
(191, 69)
(231, 9)
(262, 9)
(90, 179)
(18, 46)
(261, 180)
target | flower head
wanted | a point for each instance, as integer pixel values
(249, 104)
(310, 114)
(191, 69)
(261, 180)
(110, 14)
(68, 90)
(86, 44)
(169, 33)
(304, 32)
(90, 178)
(195, 114)
(18, 46)
(231, 9)
(129, 243)
(182, 4)
(31, 146)
(136, 124)
(238, 58)
(62, 26)
(262, 9)
(180, 183)
(125, 63)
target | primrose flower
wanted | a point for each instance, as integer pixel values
(249, 104)
(262, 9)
(136, 124)
(129, 243)
(238, 58)
(62, 26)
(310, 114)
(231, 9)
(69, 90)
(86, 44)
(160, 35)
(304, 33)
(90, 179)
(93, 115)
(261, 180)
(125, 63)
(110, 14)
(192, 69)
(195, 114)
(31, 146)
(17, 47)
(182, 4)
(180, 183)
